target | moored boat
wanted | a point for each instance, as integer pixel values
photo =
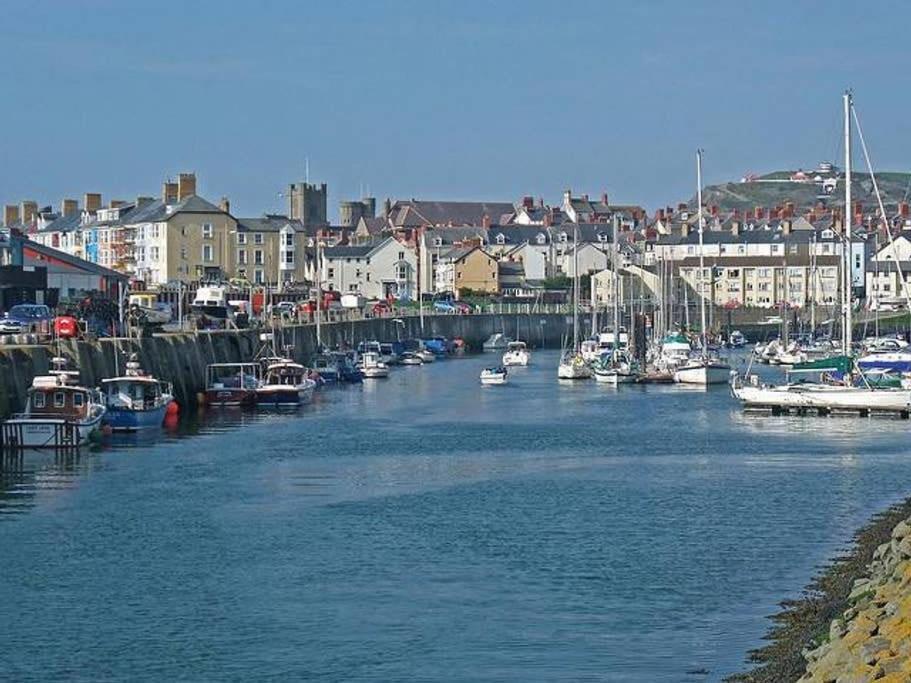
(496, 342)
(285, 383)
(58, 413)
(135, 400)
(372, 366)
(232, 384)
(498, 375)
(516, 354)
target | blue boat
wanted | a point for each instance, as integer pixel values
(135, 401)
(327, 367)
(898, 361)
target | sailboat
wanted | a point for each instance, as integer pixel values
(617, 366)
(572, 364)
(703, 369)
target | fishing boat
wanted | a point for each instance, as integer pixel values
(135, 400)
(147, 307)
(705, 369)
(496, 342)
(327, 367)
(232, 384)
(498, 375)
(285, 383)
(372, 365)
(673, 351)
(516, 354)
(58, 413)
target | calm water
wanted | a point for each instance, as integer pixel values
(427, 528)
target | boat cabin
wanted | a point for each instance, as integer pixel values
(285, 373)
(232, 376)
(132, 393)
(49, 396)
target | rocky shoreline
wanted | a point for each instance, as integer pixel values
(853, 622)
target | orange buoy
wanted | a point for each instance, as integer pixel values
(173, 408)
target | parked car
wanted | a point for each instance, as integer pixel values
(463, 306)
(24, 318)
(444, 306)
(381, 308)
(284, 309)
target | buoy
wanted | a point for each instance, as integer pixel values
(173, 408)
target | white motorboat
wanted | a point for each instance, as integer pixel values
(285, 383)
(58, 413)
(410, 358)
(372, 365)
(516, 354)
(496, 342)
(494, 375)
(703, 371)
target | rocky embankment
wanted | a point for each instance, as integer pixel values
(871, 640)
(853, 622)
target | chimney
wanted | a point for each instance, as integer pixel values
(757, 213)
(713, 209)
(903, 210)
(786, 227)
(790, 209)
(117, 203)
(10, 214)
(225, 205)
(92, 201)
(604, 198)
(528, 202)
(186, 185)
(681, 206)
(684, 229)
(485, 221)
(169, 192)
(735, 228)
(68, 207)
(548, 218)
(29, 211)
(659, 214)
(541, 202)
(143, 200)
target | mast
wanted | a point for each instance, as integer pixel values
(319, 290)
(846, 223)
(705, 351)
(421, 244)
(576, 287)
(812, 287)
(616, 287)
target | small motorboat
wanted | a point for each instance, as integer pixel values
(285, 383)
(58, 413)
(135, 400)
(573, 366)
(496, 375)
(410, 358)
(496, 342)
(372, 365)
(516, 354)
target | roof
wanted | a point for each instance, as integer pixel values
(757, 261)
(49, 253)
(63, 223)
(415, 212)
(268, 223)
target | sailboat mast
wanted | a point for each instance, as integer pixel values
(616, 287)
(705, 351)
(575, 288)
(846, 223)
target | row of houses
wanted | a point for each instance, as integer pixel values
(758, 258)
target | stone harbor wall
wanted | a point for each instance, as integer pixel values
(181, 358)
(871, 640)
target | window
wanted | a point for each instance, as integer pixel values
(207, 230)
(241, 257)
(77, 400)
(330, 273)
(258, 257)
(368, 277)
(541, 238)
(153, 253)
(357, 273)
(258, 276)
(154, 231)
(402, 272)
(691, 250)
(401, 256)
(741, 249)
(776, 248)
(39, 400)
(563, 237)
(289, 239)
(183, 252)
(241, 238)
(352, 287)
(438, 241)
(59, 399)
(792, 248)
(257, 238)
(289, 258)
(207, 253)
(501, 239)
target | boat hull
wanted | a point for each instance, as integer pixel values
(824, 397)
(230, 398)
(573, 371)
(703, 374)
(375, 373)
(126, 420)
(896, 362)
(515, 359)
(48, 432)
(615, 377)
(285, 395)
(493, 379)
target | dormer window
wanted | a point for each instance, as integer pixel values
(563, 237)
(827, 234)
(602, 237)
(438, 241)
(501, 239)
(541, 238)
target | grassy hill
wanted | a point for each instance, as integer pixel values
(894, 188)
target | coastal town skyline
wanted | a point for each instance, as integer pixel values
(617, 100)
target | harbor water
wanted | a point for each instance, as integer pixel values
(424, 527)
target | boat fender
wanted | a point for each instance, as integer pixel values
(173, 408)
(201, 398)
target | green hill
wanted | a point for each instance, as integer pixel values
(775, 189)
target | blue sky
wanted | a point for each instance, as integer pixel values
(445, 100)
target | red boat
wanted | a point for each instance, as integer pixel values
(232, 384)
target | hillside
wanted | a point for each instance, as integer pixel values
(775, 189)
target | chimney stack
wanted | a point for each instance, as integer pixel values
(786, 227)
(757, 213)
(143, 200)
(68, 207)
(169, 192)
(225, 205)
(604, 198)
(29, 211)
(735, 228)
(659, 214)
(528, 202)
(117, 203)
(485, 221)
(10, 214)
(92, 201)
(681, 206)
(903, 210)
(186, 185)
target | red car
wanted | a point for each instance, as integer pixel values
(381, 308)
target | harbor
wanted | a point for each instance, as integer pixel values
(494, 530)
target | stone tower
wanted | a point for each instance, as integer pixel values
(307, 203)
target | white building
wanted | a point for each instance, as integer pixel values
(378, 271)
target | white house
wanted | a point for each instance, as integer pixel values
(377, 271)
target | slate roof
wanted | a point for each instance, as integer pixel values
(268, 223)
(64, 223)
(415, 213)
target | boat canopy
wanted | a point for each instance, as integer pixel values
(840, 364)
